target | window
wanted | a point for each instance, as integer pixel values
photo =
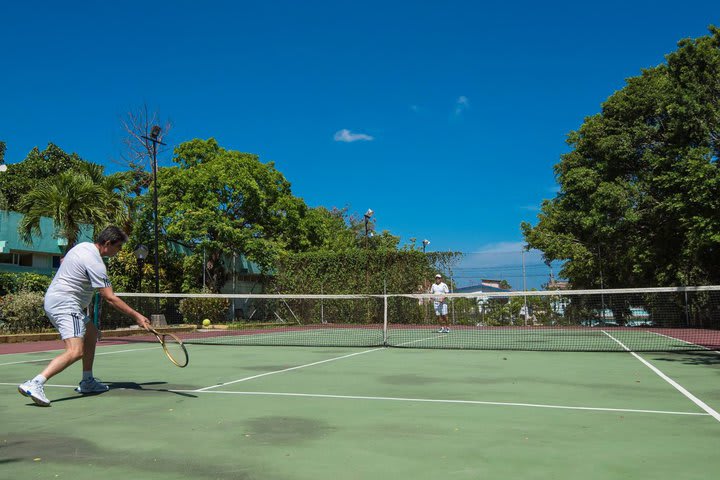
(26, 259)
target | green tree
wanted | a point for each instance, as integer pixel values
(219, 201)
(639, 199)
(37, 167)
(71, 199)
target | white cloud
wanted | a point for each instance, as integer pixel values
(347, 136)
(461, 104)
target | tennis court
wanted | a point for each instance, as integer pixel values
(286, 412)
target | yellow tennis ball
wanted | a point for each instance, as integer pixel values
(206, 322)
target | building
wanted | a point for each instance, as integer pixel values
(558, 285)
(42, 255)
(484, 287)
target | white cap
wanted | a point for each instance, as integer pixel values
(438, 276)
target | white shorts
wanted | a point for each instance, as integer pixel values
(69, 324)
(440, 308)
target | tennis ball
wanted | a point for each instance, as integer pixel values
(206, 322)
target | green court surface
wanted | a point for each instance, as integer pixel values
(246, 412)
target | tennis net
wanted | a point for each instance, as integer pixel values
(652, 319)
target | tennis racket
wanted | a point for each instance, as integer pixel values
(173, 348)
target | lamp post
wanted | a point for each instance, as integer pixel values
(154, 134)
(141, 254)
(368, 234)
(367, 216)
(426, 242)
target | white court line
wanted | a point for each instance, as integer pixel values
(422, 339)
(46, 385)
(286, 370)
(418, 400)
(672, 382)
(96, 354)
(430, 400)
(205, 389)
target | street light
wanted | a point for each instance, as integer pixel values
(154, 134)
(141, 254)
(426, 242)
(367, 216)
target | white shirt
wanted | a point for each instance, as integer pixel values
(80, 273)
(439, 288)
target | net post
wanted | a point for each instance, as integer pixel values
(385, 319)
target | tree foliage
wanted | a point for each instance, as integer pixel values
(222, 201)
(639, 199)
(358, 271)
(37, 167)
(71, 199)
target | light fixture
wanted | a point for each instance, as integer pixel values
(141, 252)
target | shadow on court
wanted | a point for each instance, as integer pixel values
(710, 359)
(120, 387)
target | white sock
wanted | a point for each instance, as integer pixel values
(40, 379)
(87, 375)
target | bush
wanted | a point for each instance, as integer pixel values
(195, 310)
(8, 283)
(23, 282)
(23, 312)
(33, 282)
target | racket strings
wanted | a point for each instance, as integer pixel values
(175, 350)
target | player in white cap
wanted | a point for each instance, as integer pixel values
(439, 288)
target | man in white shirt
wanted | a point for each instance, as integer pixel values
(440, 302)
(81, 272)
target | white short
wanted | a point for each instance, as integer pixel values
(440, 308)
(69, 324)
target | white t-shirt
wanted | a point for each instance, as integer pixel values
(80, 273)
(439, 288)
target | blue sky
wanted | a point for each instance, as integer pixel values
(443, 117)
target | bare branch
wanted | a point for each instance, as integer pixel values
(136, 124)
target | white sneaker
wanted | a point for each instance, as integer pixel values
(91, 385)
(442, 330)
(446, 330)
(35, 391)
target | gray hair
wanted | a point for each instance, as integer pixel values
(111, 234)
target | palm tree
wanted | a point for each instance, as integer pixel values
(72, 199)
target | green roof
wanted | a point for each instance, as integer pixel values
(47, 242)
